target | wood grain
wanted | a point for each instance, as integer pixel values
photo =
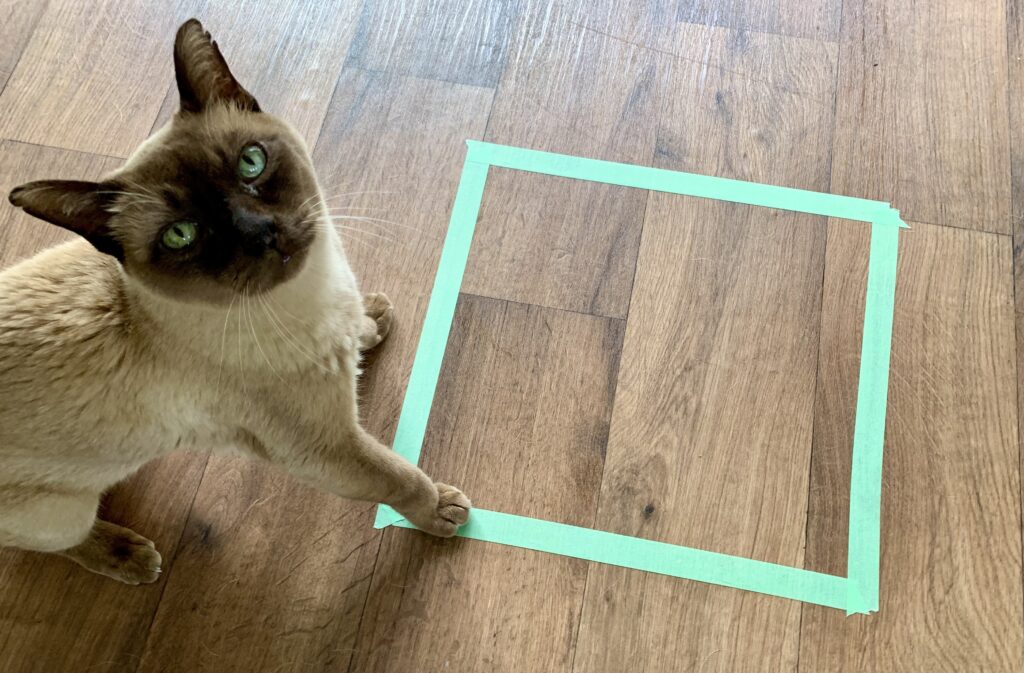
(1015, 58)
(644, 23)
(731, 426)
(951, 556)
(520, 420)
(93, 75)
(921, 110)
(17, 23)
(461, 41)
(287, 54)
(274, 575)
(711, 434)
(269, 576)
(555, 242)
(817, 20)
(56, 616)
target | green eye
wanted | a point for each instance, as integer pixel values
(252, 162)
(180, 235)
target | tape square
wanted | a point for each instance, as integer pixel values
(857, 593)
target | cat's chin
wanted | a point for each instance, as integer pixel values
(277, 269)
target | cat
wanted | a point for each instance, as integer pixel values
(208, 303)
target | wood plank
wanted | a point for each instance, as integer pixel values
(647, 23)
(85, 84)
(287, 54)
(711, 434)
(1015, 45)
(17, 23)
(255, 532)
(521, 420)
(55, 616)
(816, 20)
(951, 557)
(449, 40)
(562, 243)
(922, 110)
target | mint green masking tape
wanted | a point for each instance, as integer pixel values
(685, 184)
(655, 557)
(864, 553)
(856, 593)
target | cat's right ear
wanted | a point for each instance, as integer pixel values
(202, 73)
(81, 207)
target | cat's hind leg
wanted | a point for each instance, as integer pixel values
(66, 524)
(379, 313)
(117, 552)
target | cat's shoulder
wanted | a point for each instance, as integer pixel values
(68, 283)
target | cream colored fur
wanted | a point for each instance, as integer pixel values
(99, 374)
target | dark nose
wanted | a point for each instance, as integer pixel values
(256, 231)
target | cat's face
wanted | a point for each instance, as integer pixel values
(221, 202)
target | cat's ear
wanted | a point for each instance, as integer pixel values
(81, 207)
(202, 73)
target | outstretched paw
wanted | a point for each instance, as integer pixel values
(452, 511)
(380, 313)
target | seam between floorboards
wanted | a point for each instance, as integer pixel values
(1012, 8)
(167, 578)
(821, 322)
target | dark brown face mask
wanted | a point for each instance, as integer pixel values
(223, 201)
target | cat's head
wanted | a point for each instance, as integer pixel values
(221, 201)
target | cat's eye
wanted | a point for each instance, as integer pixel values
(252, 162)
(180, 235)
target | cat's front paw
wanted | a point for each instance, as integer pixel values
(452, 511)
(380, 314)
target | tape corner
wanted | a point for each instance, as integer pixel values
(386, 517)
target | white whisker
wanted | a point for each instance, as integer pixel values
(255, 338)
(223, 342)
(287, 334)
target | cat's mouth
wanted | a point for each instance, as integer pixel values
(281, 261)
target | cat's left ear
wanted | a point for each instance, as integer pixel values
(202, 73)
(81, 207)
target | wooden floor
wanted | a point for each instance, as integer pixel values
(664, 367)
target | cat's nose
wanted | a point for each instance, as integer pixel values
(257, 231)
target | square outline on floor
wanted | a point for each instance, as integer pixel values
(857, 593)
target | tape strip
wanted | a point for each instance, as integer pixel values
(864, 553)
(857, 593)
(685, 184)
(654, 557)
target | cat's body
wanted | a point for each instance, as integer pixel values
(110, 359)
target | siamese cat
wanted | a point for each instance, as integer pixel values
(208, 303)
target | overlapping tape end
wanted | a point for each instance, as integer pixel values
(386, 516)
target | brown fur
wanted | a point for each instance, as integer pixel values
(115, 349)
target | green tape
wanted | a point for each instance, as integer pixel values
(864, 553)
(654, 557)
(856, 593)
(685, 184)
